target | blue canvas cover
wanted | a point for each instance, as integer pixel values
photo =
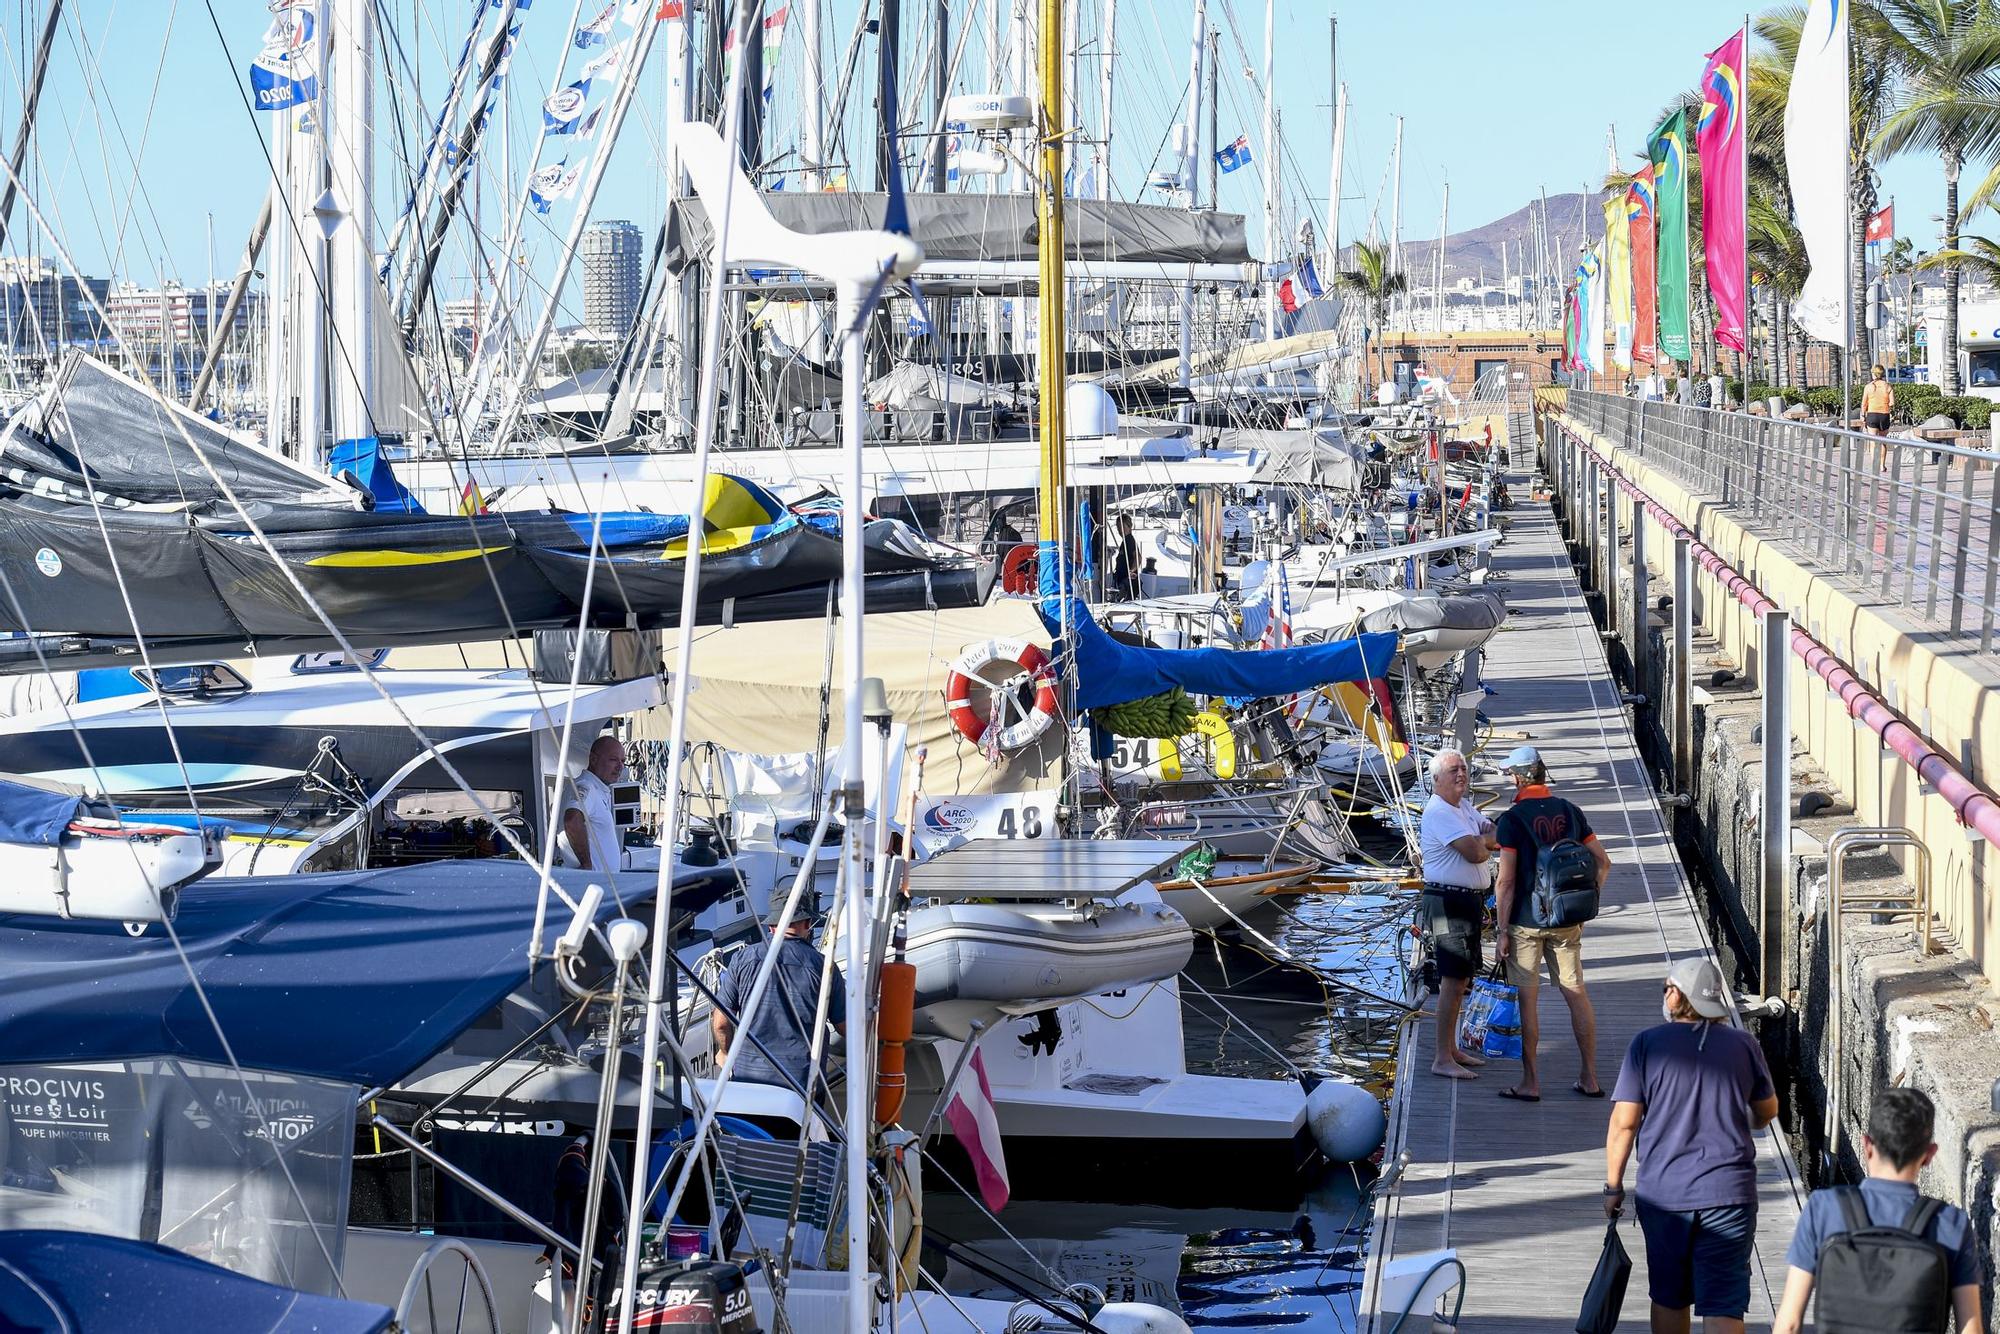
(1108, 672)
(356, 976)
(79, 1281)
(362, 459)
(36, 815)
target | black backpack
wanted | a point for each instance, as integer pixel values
(1565, 884)
(1882, 1280)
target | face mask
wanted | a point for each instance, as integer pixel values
(1667, 1009)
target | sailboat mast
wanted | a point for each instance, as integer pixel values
(1271, 240)
(1051, 312)
(1396, 204)
(812, 130)
(1190, 182)
(1339, 143)
(18, 158)
(1107, 65)
(1444, 223)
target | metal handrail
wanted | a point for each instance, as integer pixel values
(1916, 900)
(1912, 522)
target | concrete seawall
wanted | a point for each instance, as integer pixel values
(1910, 1019)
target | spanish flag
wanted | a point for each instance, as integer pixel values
(470, 501)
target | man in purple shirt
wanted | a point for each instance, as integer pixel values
(1691, 1093)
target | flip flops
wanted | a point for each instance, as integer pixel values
(1586, 1092)
(1515, 1095)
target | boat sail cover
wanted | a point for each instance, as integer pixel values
(956, 228)
(113, 524)
(1109, 672)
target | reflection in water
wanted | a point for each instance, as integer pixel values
(1228, 1268)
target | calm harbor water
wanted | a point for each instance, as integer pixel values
(1225, 1268)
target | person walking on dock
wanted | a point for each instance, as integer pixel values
(1916, 1257)
(1539, 819)
(1691, 1093)
(1457, 842)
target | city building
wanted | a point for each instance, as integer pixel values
(611, 267)
(41, 306)
(139, 314)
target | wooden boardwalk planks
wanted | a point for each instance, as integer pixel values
(1517, 1188)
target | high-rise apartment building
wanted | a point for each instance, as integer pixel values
(611, 262)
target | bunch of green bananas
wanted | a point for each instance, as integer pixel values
(1168, 714)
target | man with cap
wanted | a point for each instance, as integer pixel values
(1457, 842)
(1537, 819)
(1691, 1094)
(784, 1018)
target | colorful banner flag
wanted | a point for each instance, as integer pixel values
(1309, 278)
(1639, 211)
(1590, 293)
(1882, 226)
(283, 73)
(1816, 165)
(1668, 149)
(594, 32)
(1569, 327)
(553, 182)
(564, 108)
(607, 63)
(1718, 135)
(1618, 281)
(1231, 156)
(774, 37)
(1288, 297)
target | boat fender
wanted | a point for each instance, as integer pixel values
(895, 1017)
(1024, 658)
(1018, 569)
(1221, 742)
(1346, 1120)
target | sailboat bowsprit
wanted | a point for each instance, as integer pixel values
(108, 496)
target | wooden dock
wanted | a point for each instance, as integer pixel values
(1516, 1188)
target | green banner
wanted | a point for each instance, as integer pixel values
(1668, 149)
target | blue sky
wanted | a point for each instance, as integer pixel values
(1499, 98)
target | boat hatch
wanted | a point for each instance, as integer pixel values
(1044, 868)
(200, 682)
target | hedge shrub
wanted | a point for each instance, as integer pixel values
(1972, 414)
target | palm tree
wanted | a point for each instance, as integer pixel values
(1373, 281)
(1946, 55)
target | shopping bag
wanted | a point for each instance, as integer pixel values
(1474, 1014)
(1604, 1299)
(1503, 1025)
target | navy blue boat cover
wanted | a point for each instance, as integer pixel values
(356, 976)
(1108, 672)
(38, 815)
(79, 1281)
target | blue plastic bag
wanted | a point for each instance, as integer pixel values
(1503, 1027)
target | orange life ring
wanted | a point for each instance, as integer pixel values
(1018, 570)
(1015, 659)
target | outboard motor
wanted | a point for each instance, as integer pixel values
(695, 1296)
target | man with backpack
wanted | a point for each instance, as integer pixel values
(1881, 1256)
(1551, 870)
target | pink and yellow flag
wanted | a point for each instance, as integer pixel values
(1718, 135)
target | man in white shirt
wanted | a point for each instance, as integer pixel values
(1456, 841)
(590, 832)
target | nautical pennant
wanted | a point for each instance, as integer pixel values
(283, 74)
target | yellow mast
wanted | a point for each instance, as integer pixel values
(1054, 342)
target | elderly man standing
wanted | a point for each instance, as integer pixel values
(1537, 820)
(1457, 841)
(590, 831)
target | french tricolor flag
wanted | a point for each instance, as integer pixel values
(976, 1126)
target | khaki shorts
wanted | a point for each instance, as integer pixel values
(1563, 947)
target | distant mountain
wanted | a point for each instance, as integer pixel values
(1477, 252)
